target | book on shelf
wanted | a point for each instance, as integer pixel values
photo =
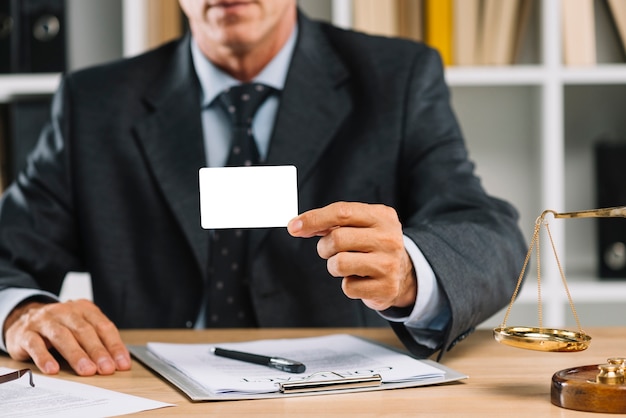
(165, 21)
(503, 27)
(410, 19)
(579, 32)
(465, 32)
(523, 21)
(438, 27)
(466, 17)
(618, 12)
(489, 32)
(377, 17)
(488, 29)
(505, 30)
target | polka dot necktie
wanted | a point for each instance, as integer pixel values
(229, 303)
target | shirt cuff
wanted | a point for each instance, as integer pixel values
(10, 298)
(430, 304)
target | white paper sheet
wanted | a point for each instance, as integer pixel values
(54, 397)
(343, 354)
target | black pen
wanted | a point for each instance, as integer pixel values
(279, 363)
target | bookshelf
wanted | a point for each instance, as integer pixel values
(531, 136)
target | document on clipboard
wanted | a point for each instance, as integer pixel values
(334, 364)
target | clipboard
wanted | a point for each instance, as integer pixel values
(311, 384)
(316, 384)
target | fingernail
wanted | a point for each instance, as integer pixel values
(122, 362)
(50, 368)
(105, 365)
(86, 366)
(295, 225)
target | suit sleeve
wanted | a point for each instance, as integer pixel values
(470, 239)
(37, 229)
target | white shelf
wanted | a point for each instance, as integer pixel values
(599, 74)
(27, 84)
(536, 75)
(496, 76)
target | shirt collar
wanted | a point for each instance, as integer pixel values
(214, 81)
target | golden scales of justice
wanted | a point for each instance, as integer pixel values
(595, 388)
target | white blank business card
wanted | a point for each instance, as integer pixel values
(248, 197)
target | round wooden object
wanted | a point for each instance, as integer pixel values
(576, 388)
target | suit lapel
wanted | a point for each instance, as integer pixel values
(172, 143)
(313, 107)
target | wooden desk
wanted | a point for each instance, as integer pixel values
(503, 381)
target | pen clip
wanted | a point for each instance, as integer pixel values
(308, 384)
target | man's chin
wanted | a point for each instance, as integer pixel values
(239, 37)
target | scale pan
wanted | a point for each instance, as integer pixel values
(542, 339)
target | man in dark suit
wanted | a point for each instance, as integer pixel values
(385, 185)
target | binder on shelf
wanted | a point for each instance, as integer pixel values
(26, 118)
(38, 43)
(4, 133)
(610, 156)
(6, 33)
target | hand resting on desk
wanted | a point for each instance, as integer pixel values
(78, 330)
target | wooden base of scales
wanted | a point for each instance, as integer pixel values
(597, 388)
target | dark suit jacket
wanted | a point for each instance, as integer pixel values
(112, 187)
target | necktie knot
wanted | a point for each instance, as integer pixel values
(242, 101)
